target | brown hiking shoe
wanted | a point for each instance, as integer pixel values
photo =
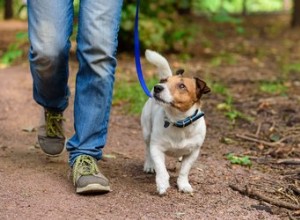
(87, 178)
(51, 135)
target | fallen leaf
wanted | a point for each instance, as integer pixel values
(109, 156)
(226, 140)
(29, 129)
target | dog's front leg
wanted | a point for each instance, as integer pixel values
(162, 175)
(186, 165)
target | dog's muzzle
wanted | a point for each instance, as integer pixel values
(158, 89)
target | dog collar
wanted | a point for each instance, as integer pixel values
(185, 122)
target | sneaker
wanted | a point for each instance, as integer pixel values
(87, 178)
(51, 135)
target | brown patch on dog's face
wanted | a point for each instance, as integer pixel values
(183, 91)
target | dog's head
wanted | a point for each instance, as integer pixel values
(180, 92)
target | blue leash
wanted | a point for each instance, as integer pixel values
(137, 52)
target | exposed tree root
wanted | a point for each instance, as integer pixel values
(252, 193)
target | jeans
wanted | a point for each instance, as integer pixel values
(50, 24)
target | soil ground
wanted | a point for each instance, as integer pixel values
(34, 186)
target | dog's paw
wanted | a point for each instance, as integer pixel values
(184, 186)
(186, 189)
(162, 184)
(162, 189)
(149, 168)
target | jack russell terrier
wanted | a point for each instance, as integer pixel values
(173, 123)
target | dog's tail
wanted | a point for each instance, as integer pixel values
(160, 62)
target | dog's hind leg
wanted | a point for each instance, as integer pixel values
(146, 123)
(148, 165)
(186, 165)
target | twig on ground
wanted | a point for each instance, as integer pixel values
(272, 128)
(292, 129)
(289, 161)
(292, 198)
(291, 216)
(258, 129)
(258, 195)
(253, 138)
(270, 144)
(288, 136)
(295, 189)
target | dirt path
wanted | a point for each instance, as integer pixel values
(34, 186)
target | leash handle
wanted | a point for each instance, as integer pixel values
(137, 52)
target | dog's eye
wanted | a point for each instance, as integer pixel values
(181, 86)
(163, 80)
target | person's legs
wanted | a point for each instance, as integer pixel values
(96, 49)
(50, 26)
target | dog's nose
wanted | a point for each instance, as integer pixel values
(158, 88)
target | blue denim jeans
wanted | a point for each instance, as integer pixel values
(50, 24)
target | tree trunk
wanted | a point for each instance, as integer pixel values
(184, 6)
(295, 22)
(244, 10)
(8, 9)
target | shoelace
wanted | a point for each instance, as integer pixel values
(53, 124)
(85, 165)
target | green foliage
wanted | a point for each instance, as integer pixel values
(156, 26)
(131, 96)
(243, 161)
(11, 55)
(219, 88)
(233, 115)
(235, 6)
(231, 112)
(291, 67)
(225, 17)
(264, 5)
(163, 27)
(14, 50)
(273, 88)
(21, 37)
(223, 58)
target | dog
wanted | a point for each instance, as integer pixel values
(172, 123)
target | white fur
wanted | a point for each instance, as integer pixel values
(172, 141)
(160, 62)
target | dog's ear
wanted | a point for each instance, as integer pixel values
(201, 87)
(180, 72)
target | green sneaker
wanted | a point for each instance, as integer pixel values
(87, 178)
(51, 134)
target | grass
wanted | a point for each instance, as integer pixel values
(219, 88)
(223, 58)
(273, 88)
(227, 106)
(291, 67)
(231, 112)
(130, 95)
(243, 161)
(12, 54)
(14, 50)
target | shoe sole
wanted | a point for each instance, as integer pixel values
(93, 189)
(54, 155)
